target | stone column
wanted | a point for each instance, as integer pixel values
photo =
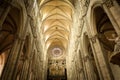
(87, 63)
(27, 58)
(18, 67)
(30, 70)
(24, 71)
(115, 10)
(38, 66)
(12, 60)
(33, 64)
(104, 71)
(82, 69)
(89, 68)
(79, 67)
(112, 9)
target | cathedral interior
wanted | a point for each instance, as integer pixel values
(59, 39)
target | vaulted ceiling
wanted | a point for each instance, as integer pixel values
(56, 24)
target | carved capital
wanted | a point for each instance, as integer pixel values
(93, 39)
(109, 3)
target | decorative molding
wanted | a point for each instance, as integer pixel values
(93, 39)
(109, 3)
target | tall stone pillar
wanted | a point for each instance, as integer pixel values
(30, 70)
(104, 71)
(28, 59)
(86, 62)
(78, 70)
(12, 60)
(113, 9)
(82, 71)
(89, 69)
(24, 71)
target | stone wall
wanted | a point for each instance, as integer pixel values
(78, 63)
(25, 56)
(74, 67)
(30, 65)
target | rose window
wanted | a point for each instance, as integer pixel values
(56, 52)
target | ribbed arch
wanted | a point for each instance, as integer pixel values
(50, 23)
(63, 2)
(54, 36)
(50, 32)
(56, 16)
(62, 10)
(58, 27)
(56, 33)
(56, 22)
(57, 42)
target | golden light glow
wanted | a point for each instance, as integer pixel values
(56, 22)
